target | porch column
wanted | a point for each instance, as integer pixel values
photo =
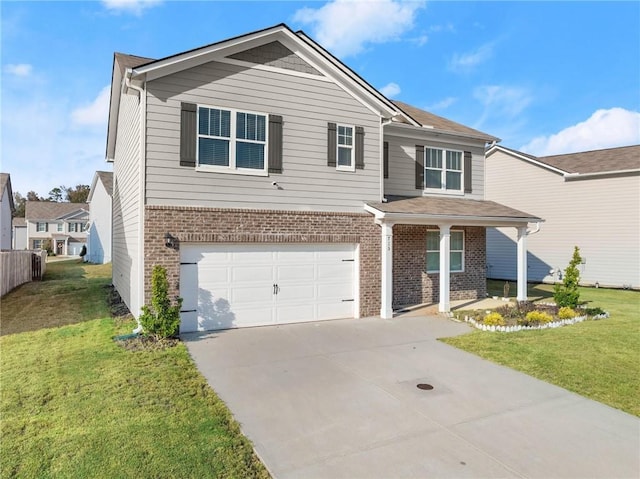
(445, 267)
(386, 270)
(522, 263)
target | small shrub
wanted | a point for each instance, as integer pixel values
(494, 319)
(524, 307)
(538, 317)
(567, 294)
(594, 311)
(566, 313)
(508, 312)
(161, 320)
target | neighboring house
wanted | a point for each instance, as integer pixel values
(99, 231)
(19, 233)
(6, 211)
(275, 185)
(63, 224)
(589, 199)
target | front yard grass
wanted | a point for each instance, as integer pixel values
(597, 359)
(74, 404)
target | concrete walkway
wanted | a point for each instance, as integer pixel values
(339, 399)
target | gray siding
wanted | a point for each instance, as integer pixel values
(99, 244)
(402, 155)
(126, 205)
(306, 105)
(601, 216)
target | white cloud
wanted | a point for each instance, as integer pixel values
(449, 28)
(19, 70)
(470, 60)
(604, 129)
(130, 6)
(442, 104)
(95, 113)
(390, 90)
(345, 27)
(503, 100)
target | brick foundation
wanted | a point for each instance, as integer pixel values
(216, 225)
(411, 283)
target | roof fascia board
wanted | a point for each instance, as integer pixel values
(73, 214)
(459, 220)
(94, 183)
(387, 106)
(601, 174)
(114, 108)
(419, 133)
(527, 159)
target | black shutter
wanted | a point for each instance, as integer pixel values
(467, 172)
(332, 145)
(359, 148)
(275, 144)
(419, 167)
(188, 137)
(385, 159)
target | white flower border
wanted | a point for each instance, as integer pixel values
(519, 327)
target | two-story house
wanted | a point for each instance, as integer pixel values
(60, 225)
(276, 185)
(100, 220)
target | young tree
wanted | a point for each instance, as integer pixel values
(56, 194)
(20, 203)
(79, 194)
(567, 294)
(161, 320)
(33, 196)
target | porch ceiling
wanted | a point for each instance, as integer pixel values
(453, 211)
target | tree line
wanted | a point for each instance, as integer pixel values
(59, 194)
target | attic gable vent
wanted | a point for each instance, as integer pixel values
(275, 54)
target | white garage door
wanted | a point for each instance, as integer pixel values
(234, 286)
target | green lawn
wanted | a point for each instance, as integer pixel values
(596, 359)
(74, 404)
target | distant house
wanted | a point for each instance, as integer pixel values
(589, 199)
(99, 231)
(63, 224)
(19, 233)
(6, 211)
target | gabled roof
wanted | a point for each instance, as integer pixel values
(106, 178)
(49, 210)
(5, 184)
(624, 159)
(429, 120)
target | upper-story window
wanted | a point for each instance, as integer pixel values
(76, 227)
(345, 148)
(41, 227)
(60, 227)
(443, 169)
(232, 140)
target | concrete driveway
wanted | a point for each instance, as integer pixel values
(339, 399)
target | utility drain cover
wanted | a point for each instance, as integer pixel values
(425, 387)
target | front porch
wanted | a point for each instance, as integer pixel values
(438, 218)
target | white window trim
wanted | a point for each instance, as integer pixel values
(352, 147)
(60, 227)
(450, 251)
(443, 172)
(232, 169)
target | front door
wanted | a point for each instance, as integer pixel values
(59, 247)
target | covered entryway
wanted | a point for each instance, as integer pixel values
(239, 285)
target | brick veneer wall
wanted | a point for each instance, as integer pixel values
(411, 283)
(217, 225)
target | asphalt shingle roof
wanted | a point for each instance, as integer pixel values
(106, 177)
(46, 210)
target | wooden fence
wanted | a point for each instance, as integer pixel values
(18, 267)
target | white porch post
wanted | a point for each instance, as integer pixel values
(522, 263)
(445, 267)
(386, 302)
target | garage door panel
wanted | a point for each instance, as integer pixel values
(298, 272)
(246, 256)
(342, 269)
(335, 310)
(296, 292)
(337, 291)
(253, 274)
(251, 294)
(296, 313)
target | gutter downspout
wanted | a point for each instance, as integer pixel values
(142, 104)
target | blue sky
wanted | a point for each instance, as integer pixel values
(546, 77)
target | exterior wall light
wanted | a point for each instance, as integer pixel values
(170, 241)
